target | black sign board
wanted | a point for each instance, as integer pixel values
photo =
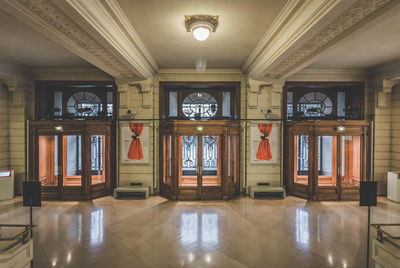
(368, 193)
(32, 195)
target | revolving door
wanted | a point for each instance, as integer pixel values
(199, 160)
(327, 160)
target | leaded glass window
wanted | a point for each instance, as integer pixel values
(74, 100)
(199, 105)
(315, 104)
(84, 104)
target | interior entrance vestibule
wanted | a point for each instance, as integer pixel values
(199, 140)
(327, 160)
(72, 139)
(199, 160)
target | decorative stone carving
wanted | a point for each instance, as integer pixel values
(383, 94)
(123, 99)
(18, 98)
(146, 90)
(330, 34)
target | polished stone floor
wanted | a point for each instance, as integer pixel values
(236, 233)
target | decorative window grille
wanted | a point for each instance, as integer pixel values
(97, 154)
(314, 104)
(199, 105)
(189, 155)
(85, 104)
(210, 153)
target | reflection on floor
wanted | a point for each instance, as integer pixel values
(237, 233)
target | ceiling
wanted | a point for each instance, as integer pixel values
(375, 43)
(160, 24)
(22, 45)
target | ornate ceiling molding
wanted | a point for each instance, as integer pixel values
(111, 23)
(46, 17)
(283, 53)
(295, 22)
(331, 34)
(281, 20)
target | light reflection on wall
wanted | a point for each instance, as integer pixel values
(96, 227)
(202, 230)
(302, 227)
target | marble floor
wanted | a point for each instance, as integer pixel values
(238, 233)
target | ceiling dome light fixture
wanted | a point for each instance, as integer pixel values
(201, 25)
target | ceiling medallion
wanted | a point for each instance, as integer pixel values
(201, 25)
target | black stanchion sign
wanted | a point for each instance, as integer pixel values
(368, 193)
(32, 195)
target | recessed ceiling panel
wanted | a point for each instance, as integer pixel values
(160, 24)
(22, 45)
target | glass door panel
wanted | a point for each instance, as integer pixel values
(211, 161)
(301, 159)
(72, 160)
(351, 160)
(48, 160)
(189, 164)
(167, 159)
(98, 158)
(327, 160)
(234, 159)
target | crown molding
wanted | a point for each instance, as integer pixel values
(57, 20)
(194, 71)
(281, 20)
(110, 22)
(291, 27)
(387, 70)
(46, 18)
(305, 37)
(137, 41)
(345, 24)
(329, 75)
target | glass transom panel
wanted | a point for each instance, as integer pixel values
(199, 105)
(84, 104)
(315, 104)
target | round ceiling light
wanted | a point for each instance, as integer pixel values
(201, 25)
(201, 33)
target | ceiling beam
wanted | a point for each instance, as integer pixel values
(106, 39)
(304, 30)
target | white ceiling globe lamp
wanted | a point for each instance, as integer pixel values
(201, 26)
